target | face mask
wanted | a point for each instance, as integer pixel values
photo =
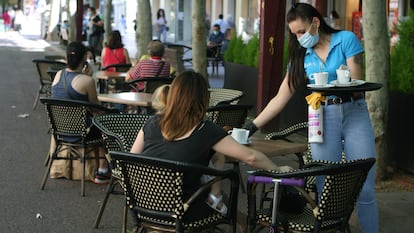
(215, 32)
(308, 41)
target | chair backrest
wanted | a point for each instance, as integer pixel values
(173, 57)
(342, 185)
(70, 117)
(120, 130)
(42, 65)
(154, 188)
(232, 115)
(151, 83)
(118, 67)
(224, 96)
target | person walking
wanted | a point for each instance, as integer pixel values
(96, 30)
(161, 25)
(315, 46)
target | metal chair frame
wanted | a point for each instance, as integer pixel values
(42, 66)
(119, 132)
(154, 191)
(70, 118)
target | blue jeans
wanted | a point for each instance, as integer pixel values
(350, 122)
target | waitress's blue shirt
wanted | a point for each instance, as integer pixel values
(344, 44)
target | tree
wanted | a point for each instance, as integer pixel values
(377, 69)
(107, 19)
(143, 35)
(199, 37)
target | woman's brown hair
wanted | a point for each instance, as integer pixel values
(187, 104)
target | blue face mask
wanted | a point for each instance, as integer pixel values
(215, 32)
(308, 41)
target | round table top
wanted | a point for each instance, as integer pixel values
(367, 86)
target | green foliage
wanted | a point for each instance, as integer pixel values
(402, 69)
(246, 54)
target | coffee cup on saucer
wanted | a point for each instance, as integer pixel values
(343, 76)
(321, 78)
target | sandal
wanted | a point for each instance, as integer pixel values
(215, 202)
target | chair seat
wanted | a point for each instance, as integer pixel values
(303, 222)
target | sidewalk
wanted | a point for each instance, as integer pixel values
(25, 143)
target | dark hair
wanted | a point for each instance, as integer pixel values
(217, 26)
(296, 56)
(159, 13)
(187, 103)
(220, 16)
(93, 9)
(75, 54)
(114, 40)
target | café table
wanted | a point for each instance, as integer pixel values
(272, 148)
(105, 77)
(137, 99)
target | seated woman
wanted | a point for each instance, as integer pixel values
(114, 51)
(181, 133)
(75, 83)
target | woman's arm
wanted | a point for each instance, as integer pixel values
(229, 147)
(138, 146)
(354, 64)
(126, 54)
(276, 104)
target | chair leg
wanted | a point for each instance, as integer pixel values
(83, 161)
(47, 172)
(124, 219)
(36, 99)
(109, 190)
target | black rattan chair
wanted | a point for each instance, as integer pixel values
(119, 132)
(151, 83)
(71, 118)
(45, 79)
(118, 85)
(154, 190)
(343, 183)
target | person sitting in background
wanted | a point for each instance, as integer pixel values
(75, 83)
(180, 133)
(215, 40)
(148, 68)
(114, 51)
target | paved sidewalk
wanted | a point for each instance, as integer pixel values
(25, 143)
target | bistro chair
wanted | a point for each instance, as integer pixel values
(118, 85)
(230, 116)
(119, 132)
(224, 96)
(154, 191)
(71, 118)
(45, 77)
(214, 57)
(342, 185)
(151, 83)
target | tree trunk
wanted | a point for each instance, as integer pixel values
(107, 19)
(199, 37)
(377, 53)
(143, 34)
(53, 20)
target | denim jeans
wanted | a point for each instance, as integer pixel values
(350, 122)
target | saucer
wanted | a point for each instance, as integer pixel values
(246, 143)
(354, 82)
(320, 86)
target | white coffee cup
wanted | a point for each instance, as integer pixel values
(240, 135)
(343, 76)
(320, 78)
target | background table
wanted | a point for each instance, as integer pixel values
(139, 99)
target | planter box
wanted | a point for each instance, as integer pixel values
(242, 78)
(400, 130)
